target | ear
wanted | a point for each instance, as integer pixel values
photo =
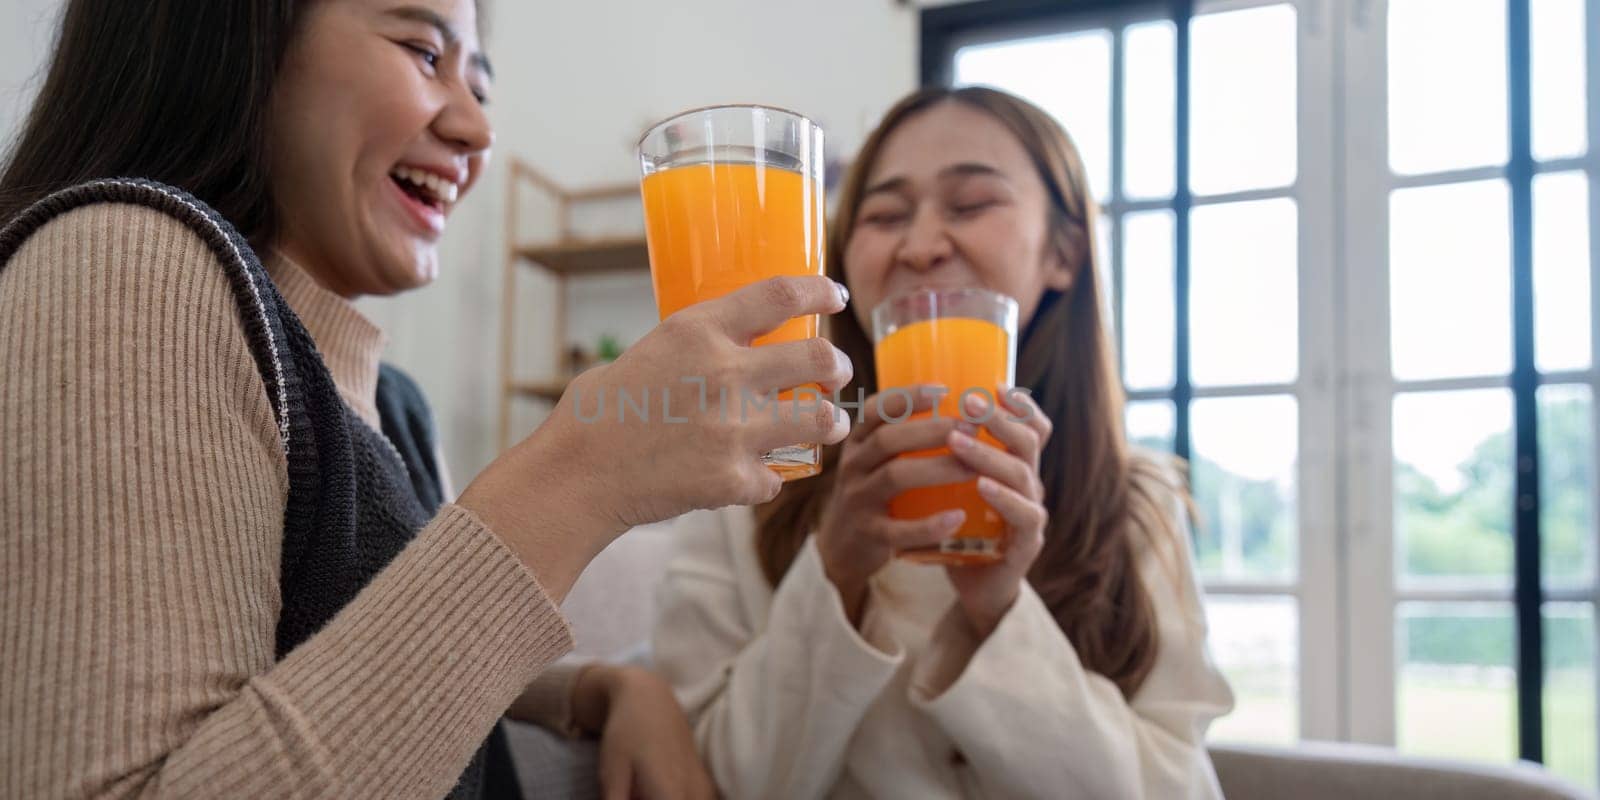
(1068, 250)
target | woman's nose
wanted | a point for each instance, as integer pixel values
(463, 123)
(926, 244)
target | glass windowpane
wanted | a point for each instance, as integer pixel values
(1569, 700)
(1067, 75)
(1450, 280)
(1567, 485)
(1456, 694)
(1559, 98)
(1151, 424)
(1243, 100)
(1561, 271)
(1447, 84)
(1244, 297)
(1453, 487)
(1243, 472)
(1149, 68)
(1148, 310)
(1255, 641)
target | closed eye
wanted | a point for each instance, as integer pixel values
(968, 209)
(427, 54)
(883, 219)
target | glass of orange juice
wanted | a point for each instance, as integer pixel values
(734, 195)
(966, 341)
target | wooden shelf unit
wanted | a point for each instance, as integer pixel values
(568, 256)
(549, 391)
(588, 257)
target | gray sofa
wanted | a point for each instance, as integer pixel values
(612, 605)
(1332, 771)
(552, 768)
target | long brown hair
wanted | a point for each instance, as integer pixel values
(177, 91)
(1099, 495)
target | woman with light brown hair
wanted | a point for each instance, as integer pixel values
(813, 663)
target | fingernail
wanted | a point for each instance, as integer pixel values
(977, 404)
(987, 486)
(950, 520)
(961, 441)
(844, 293)
(966, 427)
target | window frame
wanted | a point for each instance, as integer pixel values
(1346, 580)
(1320, 713)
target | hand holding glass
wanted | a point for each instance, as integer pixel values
(966, 341)
(733, 195)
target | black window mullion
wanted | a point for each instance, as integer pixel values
(1182, 201)
(1528, 593)
(1114, 220)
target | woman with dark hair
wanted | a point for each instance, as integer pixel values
(812, 663)
(229, 562)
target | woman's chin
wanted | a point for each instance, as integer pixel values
(424, 272)
(411, 268)
(394, 278)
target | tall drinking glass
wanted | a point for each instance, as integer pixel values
(733, 195)
(966, 341)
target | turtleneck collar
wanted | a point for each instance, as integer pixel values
(351, 345)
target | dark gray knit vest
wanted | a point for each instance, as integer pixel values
(357, 497)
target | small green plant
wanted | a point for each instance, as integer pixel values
(609, 348)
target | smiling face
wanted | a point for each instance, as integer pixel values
(378, 129)
(953, 200)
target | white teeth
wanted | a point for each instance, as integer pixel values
(443, 189)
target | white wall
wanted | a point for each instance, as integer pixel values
(577, 82)
(26, 30)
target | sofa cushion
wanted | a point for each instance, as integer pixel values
(1334, 771)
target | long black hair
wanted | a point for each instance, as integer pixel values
(172, 90)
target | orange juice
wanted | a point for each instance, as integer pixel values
(959, 353)
(714, 228)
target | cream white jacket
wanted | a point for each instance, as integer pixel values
(789, 701)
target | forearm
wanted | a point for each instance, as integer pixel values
(555, 527)
(390, 699)
(397, 692)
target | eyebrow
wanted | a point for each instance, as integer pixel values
(428, 16)
(964, 169)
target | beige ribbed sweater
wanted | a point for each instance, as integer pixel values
(142, 488)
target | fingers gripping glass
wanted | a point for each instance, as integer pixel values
(733, 195)
(966, 341)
